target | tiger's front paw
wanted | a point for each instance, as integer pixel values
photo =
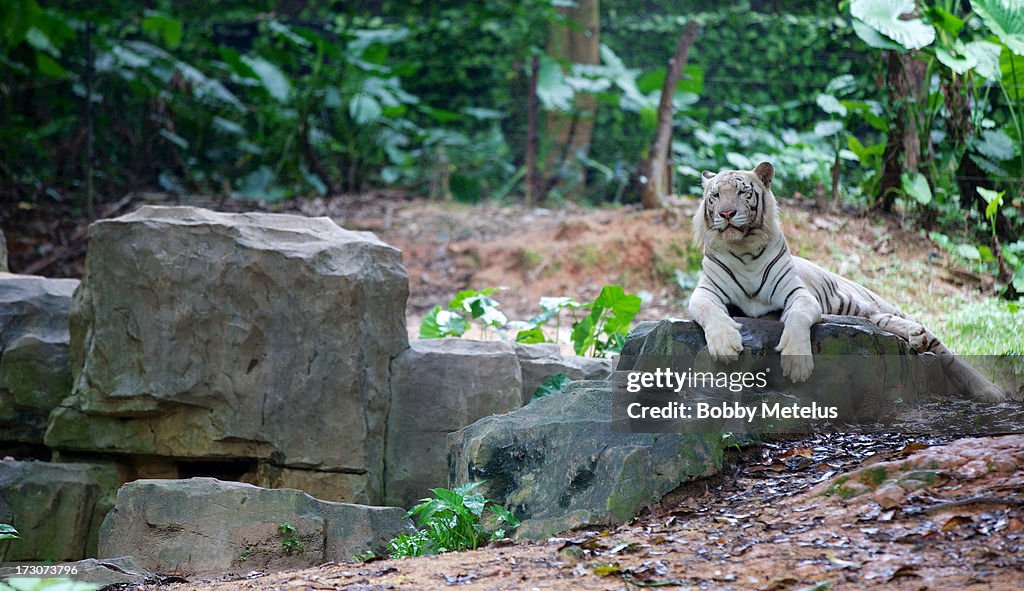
(724, 343)
(797, 361)
(988, 393)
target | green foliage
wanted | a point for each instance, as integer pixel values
(988, 327)
(552, 384)
(459, 519)
(7, 532)
(605, 328)
(478, 305)
(289, 539)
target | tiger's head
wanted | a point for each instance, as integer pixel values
(738, 208)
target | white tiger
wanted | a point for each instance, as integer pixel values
(747, 264)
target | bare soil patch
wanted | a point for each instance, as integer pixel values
(767, 525)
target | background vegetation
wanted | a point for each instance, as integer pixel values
(886, 105)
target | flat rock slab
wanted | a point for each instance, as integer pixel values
(35, 370)
(561, 462)
(204, 525)
(204, 335)
(57, 508)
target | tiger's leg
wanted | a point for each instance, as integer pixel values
(801, 312)
(965, 377)
(707, 308)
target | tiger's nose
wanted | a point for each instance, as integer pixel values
(727, 214)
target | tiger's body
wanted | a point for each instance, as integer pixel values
(747, 264)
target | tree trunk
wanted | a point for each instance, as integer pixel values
(571, 132)
(658, 167)
(905, 81)
(532, 182)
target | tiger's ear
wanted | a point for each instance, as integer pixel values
(706, 176)
(765, 172)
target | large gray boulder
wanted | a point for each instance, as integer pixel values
(35, 371)
(204, 335)
(439, 386)
(562, 462)
(204, 525)
(860, 369)
(57, 508)
(543, 360)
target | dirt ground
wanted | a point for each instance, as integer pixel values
(830, 512)
(568, 251)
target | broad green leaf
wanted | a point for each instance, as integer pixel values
(553, 91)
(827, 128)
(830, 105)
(260, 184)
(7, 532)
(272, 78)
(945, 20)
(40, 41)
(841, 85)
(531, 336)
(551, 385)
(1005, 18)
(49, 66)
(364, 109)
(873, 38)
(1018, 280)
(916, 186)
(994, 200)
(994, 144)
(986, 58)
(887, 17)
(440, 323)
(956, 58)
(167, 27)
(174, 138)
(968, 251)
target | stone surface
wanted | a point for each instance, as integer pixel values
(540, 361)
(204, 525)
(198, 334)
(560, 462)
(110, 571)
(858, 368)
(3, 253)
(57, 508)
(35, 373)
(439, 386)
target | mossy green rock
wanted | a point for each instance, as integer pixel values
(57, 508)
(561, 463)
(35, 371)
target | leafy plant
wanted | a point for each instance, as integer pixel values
(478, 305)
(457, 519)
(552, 384)
(605, 328)
(7, 532)
(289, 540)
(551, 308)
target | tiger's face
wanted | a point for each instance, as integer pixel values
(736, 204)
